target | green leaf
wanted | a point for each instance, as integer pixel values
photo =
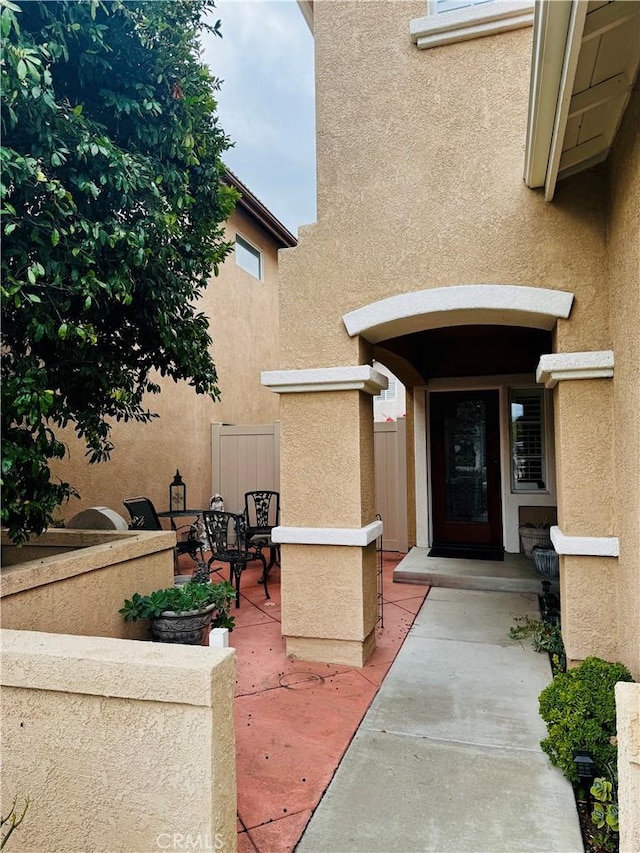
(21, 69)
(55, 237)
(62, 331)
(9, 228)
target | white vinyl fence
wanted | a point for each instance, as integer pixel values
(244, 458)
(247, 457)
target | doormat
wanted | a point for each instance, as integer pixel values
(468, 552)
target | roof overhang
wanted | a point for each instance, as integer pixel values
(260, 213)
(306, 7)
(586, 55)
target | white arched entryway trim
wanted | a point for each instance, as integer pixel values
(459, 305)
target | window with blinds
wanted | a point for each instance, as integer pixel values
(452, 5)
(390, 392)
(528, 468)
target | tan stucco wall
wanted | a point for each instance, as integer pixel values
(324, 435)
(420, 161)
(584, 457)
(81, 591)
(119, 745)
(628, 732)
(342, 587)
(624, 284)
(588, 596)
(243, 314)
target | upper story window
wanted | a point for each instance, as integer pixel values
(248, 257)
(451, 5)
(462, 20)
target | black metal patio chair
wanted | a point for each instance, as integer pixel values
(226, 534)
(144, 517)
(262, 513)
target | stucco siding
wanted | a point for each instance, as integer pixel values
(424, 188)
(624, 276)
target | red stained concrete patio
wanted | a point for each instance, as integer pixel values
(295, 719)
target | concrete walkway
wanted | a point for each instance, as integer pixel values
(447, 758)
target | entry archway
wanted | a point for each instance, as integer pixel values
(467, 338)
(459, 305)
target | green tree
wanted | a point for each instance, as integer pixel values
(112, 204)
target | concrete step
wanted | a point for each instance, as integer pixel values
(515, 574)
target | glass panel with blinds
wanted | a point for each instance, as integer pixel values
(529, 464)
(248, 257)
(390, 392)
(452, 5)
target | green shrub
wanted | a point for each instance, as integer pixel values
(580, 712)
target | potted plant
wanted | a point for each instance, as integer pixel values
(534, 534)
(183, 614)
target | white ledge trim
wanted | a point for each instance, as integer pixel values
(585, 546)
(359, 378)
(555, 367)
(459, 305)
(355, 536)
(471, 22)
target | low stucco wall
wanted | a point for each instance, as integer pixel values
(75, 581)
(120, 746)
(628, 730)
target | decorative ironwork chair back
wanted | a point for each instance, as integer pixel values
(262, 509)
(226, 534)
(228, 540)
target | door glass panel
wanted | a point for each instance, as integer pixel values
(466, 461)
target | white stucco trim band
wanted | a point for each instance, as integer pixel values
(359, 378)
(354, 536)
(459, 305)
(471, 22)
(585, 546)
(555, 367)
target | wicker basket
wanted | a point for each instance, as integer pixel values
(547, 562)
(532, 536)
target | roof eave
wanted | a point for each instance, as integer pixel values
(261, 214)
(551, 28)
(306, 7)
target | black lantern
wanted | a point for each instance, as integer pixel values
(584, 765)
(177, 494)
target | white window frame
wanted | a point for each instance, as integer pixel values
(249, 247)
(434, 7)
(438, 28)
(390, 393)
(521, 489)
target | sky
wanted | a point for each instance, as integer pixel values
(266, 102)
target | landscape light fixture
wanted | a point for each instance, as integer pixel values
(584, 765)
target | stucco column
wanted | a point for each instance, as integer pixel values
(585, 536)
(328, 528)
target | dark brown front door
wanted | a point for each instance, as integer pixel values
(465, 468)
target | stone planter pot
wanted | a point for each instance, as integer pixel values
(189, 628)
(547, 562)
(532, 536)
